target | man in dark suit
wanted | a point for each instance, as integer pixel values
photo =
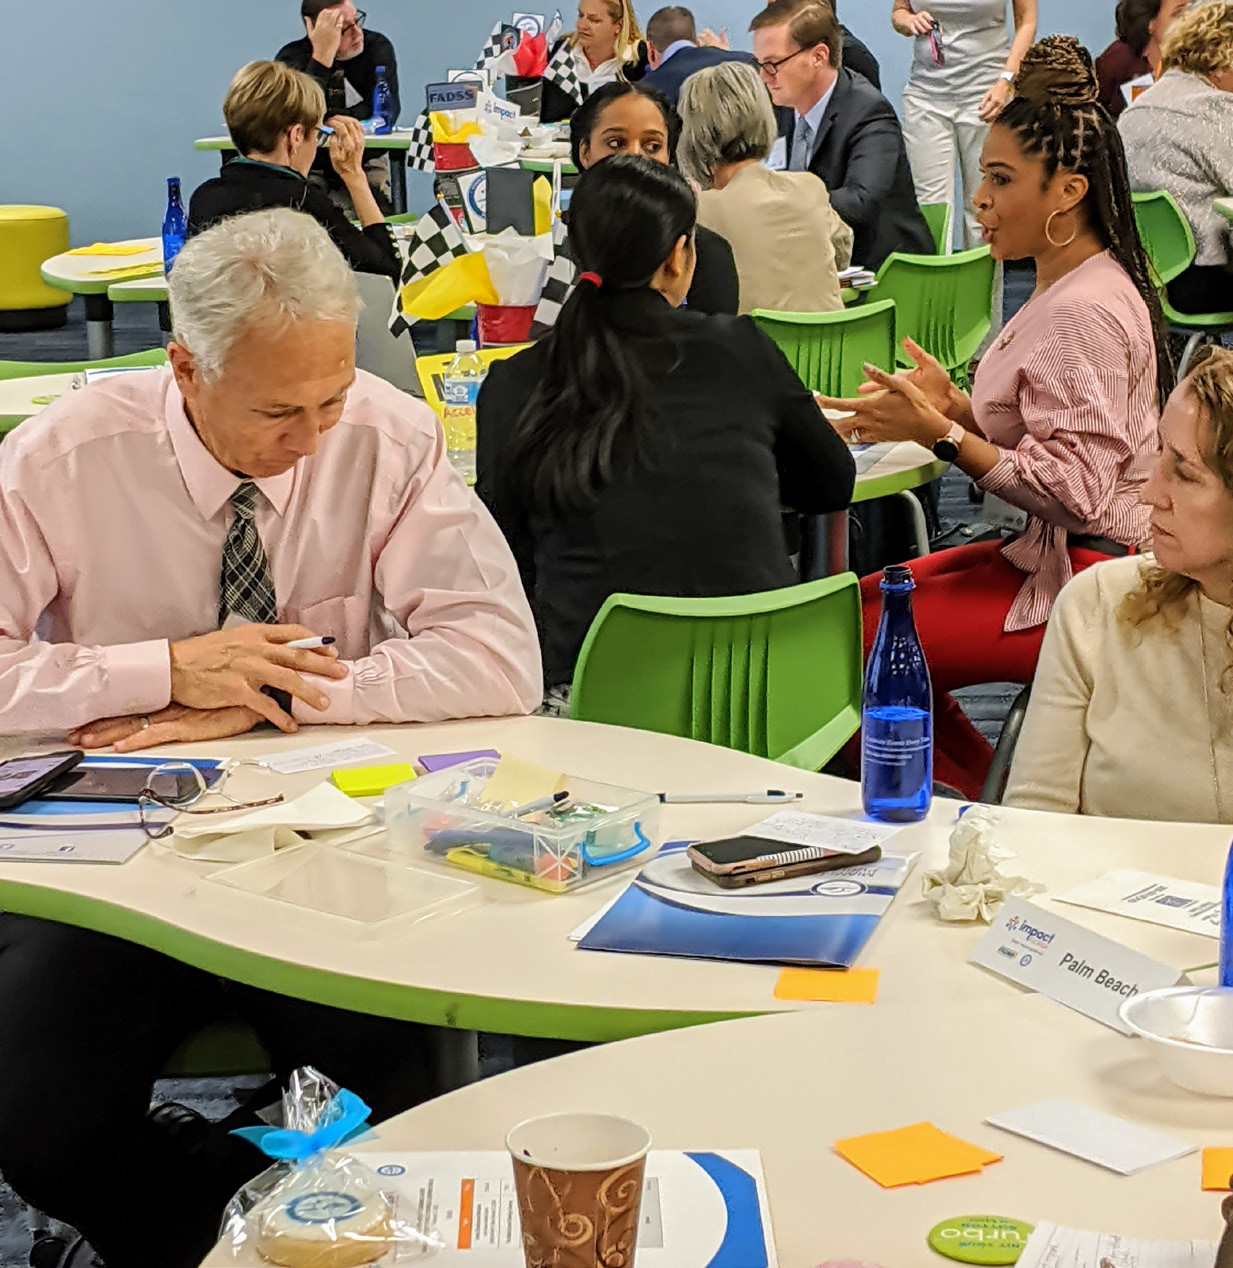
(673, 53)
(841, 129)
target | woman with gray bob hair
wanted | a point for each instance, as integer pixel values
(788, 241)
(274, 266)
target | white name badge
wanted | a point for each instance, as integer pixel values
(1001, 514)
(1030, 945)
(777, 159)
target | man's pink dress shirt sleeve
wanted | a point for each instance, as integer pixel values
(447, 575)
(58, 686)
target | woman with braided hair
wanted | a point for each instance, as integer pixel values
(1060, 431)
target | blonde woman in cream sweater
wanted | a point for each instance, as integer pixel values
(1132, 706)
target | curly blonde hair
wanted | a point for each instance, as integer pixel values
(1164, 595)
(1201, 40)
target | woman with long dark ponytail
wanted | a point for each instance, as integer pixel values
(1060, 430)
(640, 446)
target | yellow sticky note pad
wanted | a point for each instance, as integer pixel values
(1217, 1169)
(112, 248)
(835, 986)
(372, 781)
(913, 1155)
(516, 782)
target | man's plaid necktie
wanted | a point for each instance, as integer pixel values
(245, 588)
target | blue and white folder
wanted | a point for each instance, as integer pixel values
(825, 919)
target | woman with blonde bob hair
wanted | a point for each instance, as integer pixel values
(606, 44)
(1179, 138)
(1132, 707)
(788, 241)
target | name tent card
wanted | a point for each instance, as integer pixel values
(1065, 962)
(458, 95)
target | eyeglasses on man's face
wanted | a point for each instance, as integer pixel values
(771, 69)
(357, 25)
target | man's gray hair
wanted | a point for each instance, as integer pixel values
(727, 118)
(274, 266)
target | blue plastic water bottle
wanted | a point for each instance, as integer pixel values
(175, 224)
(382, 106)
(897, 711)
(1226, 925)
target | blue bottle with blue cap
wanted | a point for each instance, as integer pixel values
(175, 224)
(382, 105)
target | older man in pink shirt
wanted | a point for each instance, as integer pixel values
(166, 535)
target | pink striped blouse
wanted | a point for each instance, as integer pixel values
(1069, 394)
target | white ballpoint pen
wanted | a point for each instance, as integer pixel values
(311, 644)
(771, 797)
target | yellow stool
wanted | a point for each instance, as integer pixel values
(28, 236)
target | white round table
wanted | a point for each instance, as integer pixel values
(22, 398)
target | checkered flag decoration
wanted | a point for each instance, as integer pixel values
(435, 242)
(420, 155)
(560, 71)
(559, 282)
(492, 49)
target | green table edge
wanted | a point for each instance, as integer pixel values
(1225, 210)
(899, 482)
(547, 165)
(90, 285)
(136, 295)
(592, 1024)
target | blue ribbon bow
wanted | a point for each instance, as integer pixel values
(345, 1117)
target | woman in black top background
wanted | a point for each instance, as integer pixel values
(274, 116)
(640, 446)
(622, 118)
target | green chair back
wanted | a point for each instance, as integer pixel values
(28, 369)
(827, 350)
(944, 302)
(1168, 240)
(940, 217)
(776, 674)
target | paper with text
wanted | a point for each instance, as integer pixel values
(829, 832)
(1158, 900)
(327, 756)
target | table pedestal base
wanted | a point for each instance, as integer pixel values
(100, 312)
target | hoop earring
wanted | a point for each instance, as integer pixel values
(1074, 233)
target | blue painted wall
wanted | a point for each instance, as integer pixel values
(103, 100)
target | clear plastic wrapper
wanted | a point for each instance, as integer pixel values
(315, 1208)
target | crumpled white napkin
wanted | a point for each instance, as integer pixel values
(971, 886)
(324, 813)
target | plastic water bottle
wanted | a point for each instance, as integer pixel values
(1226, 925)
(897, 711)
(461, 383)
(175, 224)
(381, 105)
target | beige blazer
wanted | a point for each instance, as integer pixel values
(787, 239)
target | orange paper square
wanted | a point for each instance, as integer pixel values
(913, 1155)
(1217, 1168)
(835, 986)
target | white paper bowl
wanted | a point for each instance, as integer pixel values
(1190, 1029)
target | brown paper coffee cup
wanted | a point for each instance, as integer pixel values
(579, 1181)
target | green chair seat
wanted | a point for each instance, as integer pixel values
(827, 350)
(940, 219)
(30, 369)
(776, 674)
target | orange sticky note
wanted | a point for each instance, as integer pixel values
(1217, 1168)
(835, 986)
(913, 1155)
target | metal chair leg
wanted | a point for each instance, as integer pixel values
(920, 529)
(999, 769)
(1192, 345)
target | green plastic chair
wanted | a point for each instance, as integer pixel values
(827, 350)
(28, 369)
(1170, 247)
(944, 302)
(940, 217)
(776, 674)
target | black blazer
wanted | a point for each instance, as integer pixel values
(670, 75)
(858, 57)
(737, 436)
(859, 154)
(245, 185)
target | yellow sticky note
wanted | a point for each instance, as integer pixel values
(515, 783)
(835, 986)
(1217, 1168)
(913, 1155)
(112, 248)
(372, 781)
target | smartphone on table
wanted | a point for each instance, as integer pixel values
(24, 778)
(735, 862)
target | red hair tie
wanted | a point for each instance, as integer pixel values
(594, 278)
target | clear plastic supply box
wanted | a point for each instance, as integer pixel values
(599, 830)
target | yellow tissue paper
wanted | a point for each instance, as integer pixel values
(462, 281)
(448, 130)
(541, 200)
(112, 248)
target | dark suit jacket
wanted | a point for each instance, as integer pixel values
(859, 155)
(857, 57)
(671, 74)
(735, 437)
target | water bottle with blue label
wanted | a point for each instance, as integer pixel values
(897, 711)
(382, 105)
(175, 224)
(460, 386)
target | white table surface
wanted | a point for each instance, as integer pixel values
(18, 396)
(84, 274)
(508, 965)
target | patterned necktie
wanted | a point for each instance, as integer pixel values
(799, 159)
(245, 588)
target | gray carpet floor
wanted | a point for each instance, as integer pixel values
(136, 327)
